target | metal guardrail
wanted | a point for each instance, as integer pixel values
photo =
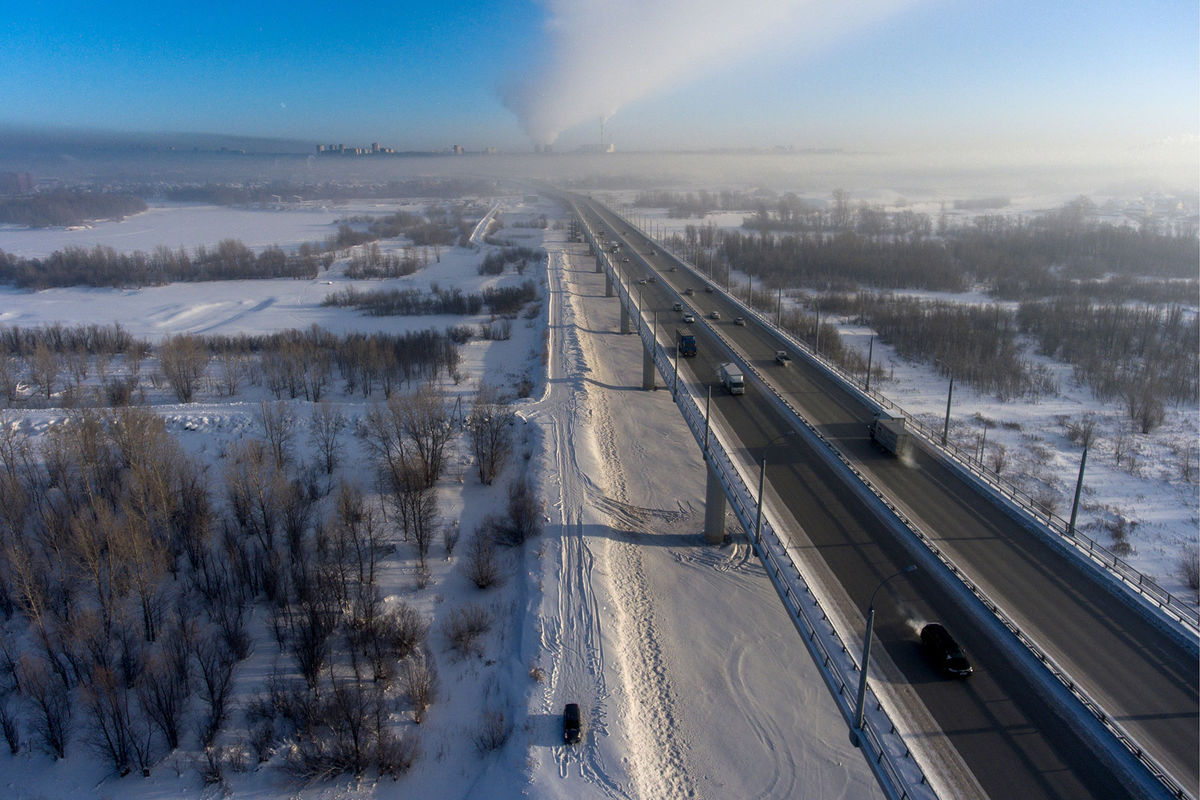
(1093, 708)
(1047, 521)
(890, 759)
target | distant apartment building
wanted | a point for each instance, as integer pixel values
(376, 149)
(457, 149)
(15, 182)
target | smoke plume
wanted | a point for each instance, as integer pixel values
(603, 54)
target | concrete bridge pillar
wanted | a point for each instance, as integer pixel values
(599, 263)
(626, 320)
(609, 289)
(714, 507)
(647, 370)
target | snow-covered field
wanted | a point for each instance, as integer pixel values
(601, 608)
(691, 678)
(176, 225)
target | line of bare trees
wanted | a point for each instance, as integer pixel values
(54, 364)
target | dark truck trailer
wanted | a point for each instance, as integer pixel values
(685, 343)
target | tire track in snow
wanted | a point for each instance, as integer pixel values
(574, 636)
(658, 762)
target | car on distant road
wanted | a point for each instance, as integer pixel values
(714, 314)
(708, 289)
(642, 282)
(689, 317)
(943, 653)
(689, 291)
(782, 358)
(677, 307)
(572, 723)
(671, 269)
(739, 321)
(653, 279)
(625, 260)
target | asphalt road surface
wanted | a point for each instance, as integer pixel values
(1011, 741)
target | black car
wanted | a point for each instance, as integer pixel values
(572, 723)
(943, 652)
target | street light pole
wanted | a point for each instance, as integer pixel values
(856, 730)
(1078, 489)
(762, 476)
(946, 428)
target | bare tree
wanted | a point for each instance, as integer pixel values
(233, 370)
(8, 379)
(325, 429)
(482, 564)
(490, 428)
(107, 702)
(416, 504)
(216, 679)
(8, 724)
(44, 366)
(426, 422)
(51, 704)
(183, 359)
(163, 695)
(419, 681)
(278, 426)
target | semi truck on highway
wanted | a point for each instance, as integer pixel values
(731, 376)
(889, 433)
(685, 343)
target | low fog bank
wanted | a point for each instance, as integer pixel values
(1168, 166)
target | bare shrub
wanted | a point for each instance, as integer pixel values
(482, 564)
(1119, 527)
(1082, 431)
(450, 535)
(1189, 565)
(537, 673)
(494, 730)
(524, 514)
(395, 755)
(418, 678)
(999, 458)
(183, 359)
(463, 629)
(1046, 501)
(1121, 444)
(212, 771)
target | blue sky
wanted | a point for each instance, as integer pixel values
(419, 75)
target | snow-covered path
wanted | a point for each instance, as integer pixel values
(691, 678)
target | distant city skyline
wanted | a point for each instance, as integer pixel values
(512, 75)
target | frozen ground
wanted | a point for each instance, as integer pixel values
(692, 679)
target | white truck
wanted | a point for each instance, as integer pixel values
(732, 378)
(889, 433)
